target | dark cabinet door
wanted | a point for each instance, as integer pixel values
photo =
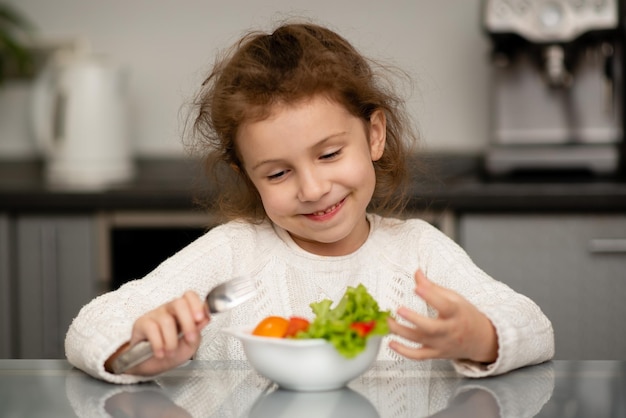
(6, 302)
(572, 266)
(56, 276)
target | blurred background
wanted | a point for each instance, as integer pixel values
(167, 47)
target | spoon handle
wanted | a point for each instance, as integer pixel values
(137, 354)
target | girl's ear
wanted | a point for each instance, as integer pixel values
(378, 134)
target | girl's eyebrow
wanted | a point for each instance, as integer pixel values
(316, 145)
(260, 163)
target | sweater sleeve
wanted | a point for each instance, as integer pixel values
(525, 334)
(105, 323)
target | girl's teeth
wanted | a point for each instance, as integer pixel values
(330, 209)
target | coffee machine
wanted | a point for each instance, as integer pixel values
(557, 88)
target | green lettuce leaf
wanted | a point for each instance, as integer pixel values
(333, 324)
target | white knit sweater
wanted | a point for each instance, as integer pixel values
(288, 279)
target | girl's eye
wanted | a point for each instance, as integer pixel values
(330, 155)
(276, 176)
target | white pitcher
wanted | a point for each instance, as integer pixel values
(81, 121)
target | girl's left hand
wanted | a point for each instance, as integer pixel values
(459, 332)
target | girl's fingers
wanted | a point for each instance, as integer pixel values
(185, 323)
(169, 331)
(420, 323)
(441, 299)
(163, 326)
(427, 342)
(200, 315)
(427, 331)
(199, 308)
(459, 330)
(421, 353)
(152, 331)
(400, 330)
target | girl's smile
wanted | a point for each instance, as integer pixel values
(312, 164)
(326, 213)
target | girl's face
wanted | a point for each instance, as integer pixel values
(312, 166)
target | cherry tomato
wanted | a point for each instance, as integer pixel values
(296, 324)
(272, 326)
(363, 328)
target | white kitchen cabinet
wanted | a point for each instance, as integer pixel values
(573, 266)
(56, 275)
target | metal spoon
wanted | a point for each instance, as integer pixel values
(221, 298)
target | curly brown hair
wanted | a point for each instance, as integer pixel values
(294, 62)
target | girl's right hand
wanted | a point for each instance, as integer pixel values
(187, 314)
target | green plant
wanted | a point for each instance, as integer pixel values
(16, 58)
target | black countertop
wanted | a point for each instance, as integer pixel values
(455, 183)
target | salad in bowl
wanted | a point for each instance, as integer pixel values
(336, 346)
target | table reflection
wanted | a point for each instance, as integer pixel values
(408, 389)
(281, 403)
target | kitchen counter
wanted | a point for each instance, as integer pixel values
(158, 185)
(455, 183)
(52, 388)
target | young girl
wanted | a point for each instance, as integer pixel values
(314, 143)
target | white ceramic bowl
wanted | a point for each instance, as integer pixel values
(304, 365)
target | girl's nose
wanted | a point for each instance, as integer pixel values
(311, 186)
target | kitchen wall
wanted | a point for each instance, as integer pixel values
(168, 46)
